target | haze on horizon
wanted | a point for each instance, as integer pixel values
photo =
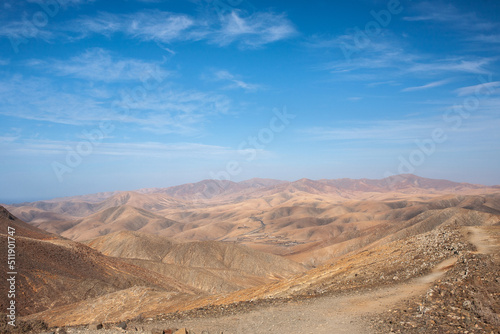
(95, 97)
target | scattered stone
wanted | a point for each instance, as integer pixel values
(95, 326)
(122, 325)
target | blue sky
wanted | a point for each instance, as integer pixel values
(120, 95)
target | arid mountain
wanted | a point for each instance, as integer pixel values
(21, 228)
(209, 266)
(200, 252)
(214, 191)
(57, 272)
(412, 260)
(119, 218)
(305, 220)
(53, 271)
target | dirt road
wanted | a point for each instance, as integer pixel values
(347, 313)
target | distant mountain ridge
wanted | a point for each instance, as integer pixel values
(211, 189)
(305, 220)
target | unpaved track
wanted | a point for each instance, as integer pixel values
(483, 241)
(346, 313)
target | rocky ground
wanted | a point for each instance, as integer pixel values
(466, 300)
(436, 282)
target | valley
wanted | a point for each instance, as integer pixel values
(222, 256)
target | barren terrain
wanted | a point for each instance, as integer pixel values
(351, 256)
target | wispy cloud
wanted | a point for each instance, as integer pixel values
(234, 81)
(20, 31)
(404, 131)
(488, 88)
(449, 14)
(99, 65)
(486, 38)
(368, 56)
(390, 55)
(162, 110)
(467, 65)
(8, 139)
(427, 86)
(134, 149)
(398, 131)
(255, 30)
(148, 25)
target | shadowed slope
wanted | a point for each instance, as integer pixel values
(210, 266)
(54, 271)
(122, 218)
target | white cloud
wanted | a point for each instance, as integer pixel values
(449, 14)
(235, 83)
(159, 26)
(8, 139)
(253, 31)
(479, 128)
(427, 86)
(161, 110)
(135, 149)
(39, 99)
(487, 88)
(477, 66)
(398, 131)
(99, 65)
(487, 38)
(19, 32)
(146, 25)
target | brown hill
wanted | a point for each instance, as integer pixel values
(114, 219)
(54, 271)
(305, 220)
(302, 226)
(213, 191)
(65, 209)
(209, 266)
(370, 268)
(21, 228)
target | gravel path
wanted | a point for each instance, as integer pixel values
(347, 313)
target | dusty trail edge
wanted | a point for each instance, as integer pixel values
(347, 313)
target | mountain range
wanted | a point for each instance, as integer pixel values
(221, 242)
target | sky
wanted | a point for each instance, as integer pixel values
(121, 95)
